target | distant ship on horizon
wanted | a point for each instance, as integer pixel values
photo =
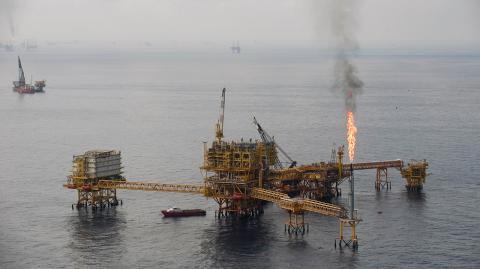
(236, 48)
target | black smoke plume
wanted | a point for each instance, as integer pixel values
(6, 16)
(343, 14)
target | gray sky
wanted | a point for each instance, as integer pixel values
(380, 23)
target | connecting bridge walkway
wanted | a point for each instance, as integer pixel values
(382, 179)
(375, 165)
(297, 205)
(149, 186)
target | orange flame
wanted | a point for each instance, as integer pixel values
(351, 133)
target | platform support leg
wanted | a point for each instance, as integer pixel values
(352, 241)
(382, 180)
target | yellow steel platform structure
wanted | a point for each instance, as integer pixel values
(241, 175)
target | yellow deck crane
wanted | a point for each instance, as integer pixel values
(219, 126)
(270, 141)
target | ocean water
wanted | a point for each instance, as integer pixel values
(158, 107)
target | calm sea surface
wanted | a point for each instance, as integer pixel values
(158, 107)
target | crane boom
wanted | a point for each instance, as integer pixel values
(267, 139)
(219, 126)
(21, 75)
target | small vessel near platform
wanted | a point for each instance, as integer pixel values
(22, 87)
(177, 212)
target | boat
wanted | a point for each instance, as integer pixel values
(177, 212)
(21, 87)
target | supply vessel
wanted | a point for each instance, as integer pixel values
(177, 212)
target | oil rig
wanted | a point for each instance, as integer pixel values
(235, 48)
(242, 175)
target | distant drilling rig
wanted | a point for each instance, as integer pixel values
(235, 48)
(241, 175)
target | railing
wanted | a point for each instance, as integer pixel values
(324, 208)
(375, 165)
(298, 205)
(268, 195)
(145, 186)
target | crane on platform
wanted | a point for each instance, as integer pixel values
(270, 140)
(219, 125)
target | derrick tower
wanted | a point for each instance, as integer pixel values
(233, 168)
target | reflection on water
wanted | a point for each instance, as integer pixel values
(419, 197)
(96, 236)
(230, 241)
(296, 242)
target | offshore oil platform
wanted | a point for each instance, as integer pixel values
(241, 176)
(235, 48)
